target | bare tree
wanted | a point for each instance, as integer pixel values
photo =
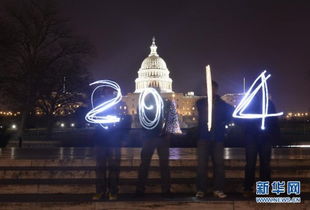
(37, 50)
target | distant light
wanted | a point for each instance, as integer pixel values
(298, 146)
(72, 125)
(226, 126)
(62, 125)
(191, 93)
(14, 126)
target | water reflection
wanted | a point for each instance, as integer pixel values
(61, 153)
(13, 153)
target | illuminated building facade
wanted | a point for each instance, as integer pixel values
(154, 73)
(233, 98)
(186, 107)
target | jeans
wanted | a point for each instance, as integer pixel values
(260, 144)
(108, 169)
(214, 149)
(162, 145)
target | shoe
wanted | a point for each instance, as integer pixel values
(112, 196)
(200, 194)
(219, 194)
(98, 196)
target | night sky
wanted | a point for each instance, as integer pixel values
(237, 38)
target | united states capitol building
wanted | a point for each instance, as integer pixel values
(155, 73)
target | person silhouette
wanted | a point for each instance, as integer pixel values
(108, 141)
(258, 142)
(210, 143)
(159, 139)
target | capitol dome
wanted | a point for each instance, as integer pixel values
(153, 62)
(154, 73)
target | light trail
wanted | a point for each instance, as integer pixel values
(247, 99)
(93, 115)
(145, 121)
(210, 96)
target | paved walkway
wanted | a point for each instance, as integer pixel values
(154, 204)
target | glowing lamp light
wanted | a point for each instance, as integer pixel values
(210, 96)
(145, 121)
(248, 97)
(93, 115)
